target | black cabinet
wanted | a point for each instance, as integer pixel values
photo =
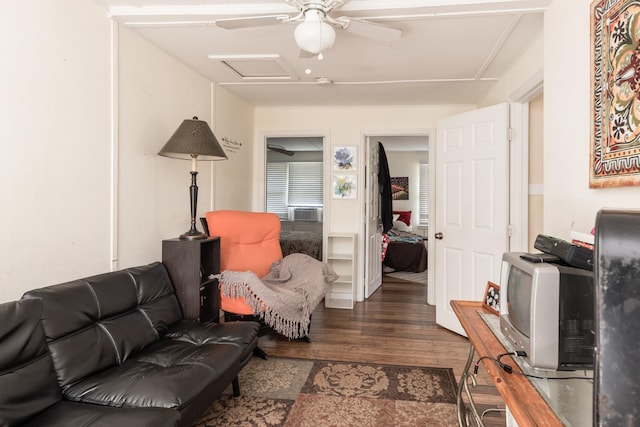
(190, 264)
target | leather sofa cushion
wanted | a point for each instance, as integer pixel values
(167, 374)
(241, 334)
(28, 382)
(75, 414)
(156, 296)
(238, 333)
(96, 323)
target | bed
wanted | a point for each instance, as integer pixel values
(406, 251)
(305, 242)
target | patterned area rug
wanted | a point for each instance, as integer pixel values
(294, 392)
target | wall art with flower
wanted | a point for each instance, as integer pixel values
(345, 158)
(345, 186)
(615, 102)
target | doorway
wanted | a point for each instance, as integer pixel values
(295, 191)
(406, 255)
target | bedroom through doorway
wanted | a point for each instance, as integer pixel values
(406, 253)
(294, 191)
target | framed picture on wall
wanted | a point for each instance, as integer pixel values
(345, 158)
(615, 100)
(400, 188)
(345, 186)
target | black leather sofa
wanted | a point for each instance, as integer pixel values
(113, 350)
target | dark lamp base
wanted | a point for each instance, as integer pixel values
(193, 235)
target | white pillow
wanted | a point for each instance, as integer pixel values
(401, 226)
(395, 217)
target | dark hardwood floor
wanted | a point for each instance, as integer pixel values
(394, 326)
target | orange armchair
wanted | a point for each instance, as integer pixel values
(249, 241)
(256, 282)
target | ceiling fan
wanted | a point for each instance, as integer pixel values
(280, 149)
(315, 32)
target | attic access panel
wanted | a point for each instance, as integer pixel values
(255, 67)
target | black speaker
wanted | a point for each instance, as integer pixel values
(616, 386)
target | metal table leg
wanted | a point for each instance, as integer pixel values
(467, 416)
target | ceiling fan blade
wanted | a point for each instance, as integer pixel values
(371, 30)
(280, 150)
(251, 21)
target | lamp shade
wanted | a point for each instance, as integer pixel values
(193, 138)
(314, 35)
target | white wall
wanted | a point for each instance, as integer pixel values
(153, 191)
(344, 126)
(234, 129)
(55, 162)
(62, 138)
(568, 201)
(154, 201)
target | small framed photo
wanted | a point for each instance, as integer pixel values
(492, 298)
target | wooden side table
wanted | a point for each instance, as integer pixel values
(190, 264)
(520, 396)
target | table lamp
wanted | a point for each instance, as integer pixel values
(193, 140)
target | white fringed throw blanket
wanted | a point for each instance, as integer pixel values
(287, 295)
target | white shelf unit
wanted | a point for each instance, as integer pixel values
(341, 256)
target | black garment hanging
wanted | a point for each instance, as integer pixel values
(384, 184)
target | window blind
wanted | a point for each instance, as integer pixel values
(305, 184)
(277, 178)
(423, 206)
(293, 184)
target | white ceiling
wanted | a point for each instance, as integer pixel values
(450, 51)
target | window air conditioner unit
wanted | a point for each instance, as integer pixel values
(306, 214)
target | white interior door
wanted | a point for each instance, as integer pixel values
(472, 203)
(373, 232)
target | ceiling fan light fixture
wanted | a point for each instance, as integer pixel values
(314, 35)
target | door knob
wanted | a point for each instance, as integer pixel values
(439, 236)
